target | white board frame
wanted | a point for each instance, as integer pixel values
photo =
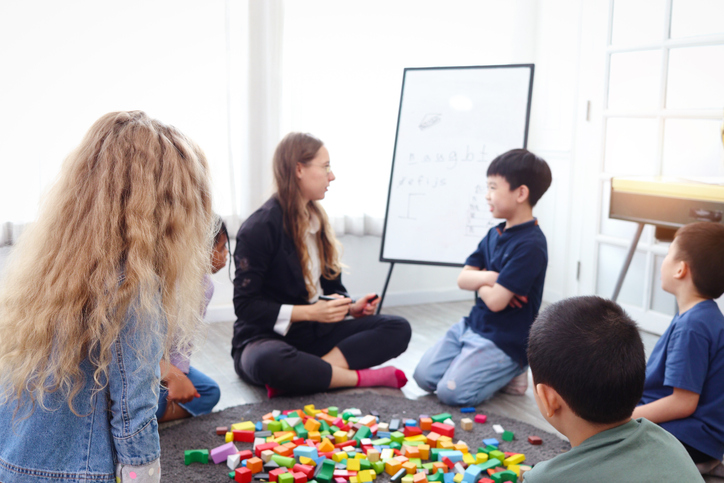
(404, 112)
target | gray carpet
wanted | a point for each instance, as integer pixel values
(200, 433)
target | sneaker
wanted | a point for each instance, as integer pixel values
(518, 385)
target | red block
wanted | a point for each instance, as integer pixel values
(485, 480)
(222, 430)
(242, 475)
(448, 463)
(444, 429)
(243, 436)
(306, 469)
(263, 447)
(298, 441)
(374, 429)
(349, 442)
(480, 418)
(274, 474)
(535, 440)
(412, 431)
(300, 478)
(245, 454)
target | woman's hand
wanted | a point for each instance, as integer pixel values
(330, 311)
(364, 306)
(180, 387)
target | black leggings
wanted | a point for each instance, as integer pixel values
(294, 365)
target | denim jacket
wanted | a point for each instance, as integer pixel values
(117, 424)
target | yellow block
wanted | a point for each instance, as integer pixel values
(445, 444)
(392, 466)
(285, 438)
(314, 436)
(407, 479)
(353, 479)
(312, 425)
(339, 456)
(360, 456)
(353, 464)
(516, 459)
(229, 437)
(424, 450)
(469, 459)
(481, 458)
(410, 467)
(364, 477)
(245, 426)
(462, 447)
(307, 461)
(310, 411)
(418, 437)
(458, 478)
(515, 469)
(326, 446)
(340, 436)
(387, 454)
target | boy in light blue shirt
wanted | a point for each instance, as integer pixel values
(684, 390)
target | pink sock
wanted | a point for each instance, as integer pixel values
(384, 376)
(271, 392)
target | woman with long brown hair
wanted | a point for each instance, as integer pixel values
(104, 283)
(287, 336)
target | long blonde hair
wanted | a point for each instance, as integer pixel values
(132, 203)
(301, 148)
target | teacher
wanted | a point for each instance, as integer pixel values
(285, 337)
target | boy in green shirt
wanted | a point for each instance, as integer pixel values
(588, 367)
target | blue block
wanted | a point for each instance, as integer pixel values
(319, 460)
(491, 442)
(452, 455)
(467, 410)
(472, 473)
(449, 476)
(378, 448)
(307, 451)
(259, 426)
(410, 422)
(383, 434)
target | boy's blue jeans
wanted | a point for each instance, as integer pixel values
(464, 368)
(206, 387)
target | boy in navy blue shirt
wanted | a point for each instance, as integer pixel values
(684, 389)
(485, 351)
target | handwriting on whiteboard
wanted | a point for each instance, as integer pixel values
(450, 159)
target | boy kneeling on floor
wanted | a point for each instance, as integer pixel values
(588, 367)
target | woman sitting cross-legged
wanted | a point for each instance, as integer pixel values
(286, 256)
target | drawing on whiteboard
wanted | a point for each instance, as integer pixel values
(477, 222)
(430, 120)
(409, 216)
(452, 158)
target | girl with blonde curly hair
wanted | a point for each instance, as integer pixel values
(97, 290)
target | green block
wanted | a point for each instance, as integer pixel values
(381, 441)
(483, 450)
(434, 454)
(346, 416)
(301, 431)
(427, 466)
(324, 433)
(332, 411)
(439, 476)
(397, 437)
(490, 448)
(284, 461)
(231, 474)
(352, 419)
(351, 454)
(365, 432)
(323, 426)
(439, 418)
(498, 455)
(285, 478)
(333, 429)
(196, 456)
(491, 463)
(274, 426)
(508, 436)
(364, 464)
(413, 443)
(417, 462)
(395, 445)
(379, 467)
(506, 475)
(285, 425)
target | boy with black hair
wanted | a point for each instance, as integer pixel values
(588, 367)
(684, 389)
(485, 351)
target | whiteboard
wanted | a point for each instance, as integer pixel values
(452, 122)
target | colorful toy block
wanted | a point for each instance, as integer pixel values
(498, 429)
(232, 461)
(504, 476)
(242, 475)
(508, 436)
(466, 424)
(535, 440)
(255, 464)
(419, 478)
(285, 478)
(222, 430)
(491, 442)
(443, 429)
(219, 454)
(196, 456)
(481, 418)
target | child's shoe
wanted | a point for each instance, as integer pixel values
(518, 385)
